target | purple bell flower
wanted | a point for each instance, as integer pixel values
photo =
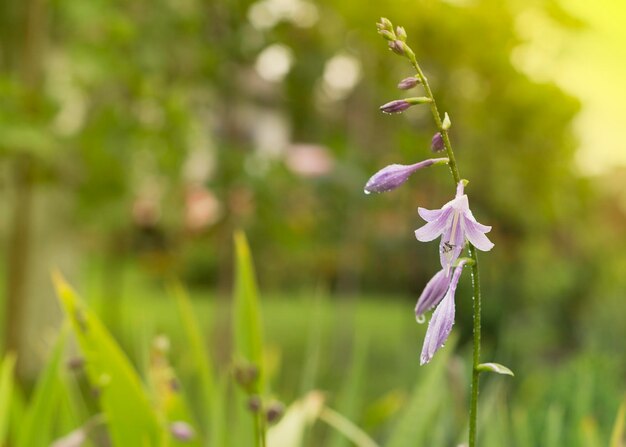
(455, 223)
(434, 291)
(442, 320)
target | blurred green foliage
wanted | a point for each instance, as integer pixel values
(155, 123)
(100, 395)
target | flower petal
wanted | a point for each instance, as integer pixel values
(460, 187)
(429, 215)
(433, 293)
(442, 320)
(482, 228)
(433, 229)
(439, 328)
(475, 234)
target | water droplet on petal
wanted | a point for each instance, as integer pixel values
(367, 192)
(420, 319)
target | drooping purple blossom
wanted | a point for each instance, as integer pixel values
(436, 144)
(455, 223)
(432, 294)
(441, 322)
(392, 176)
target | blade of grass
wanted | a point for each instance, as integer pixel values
(35, 427)
(6, 391)
(248, 332)
(554, 426)
(344, 426)
(314, 343)
(349, 400)
(211, 395)
(617, 434)
(17, 410)
(423, 403)
(247, 315)
(130, 417)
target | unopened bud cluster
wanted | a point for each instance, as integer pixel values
(396, 38)
(247, 376)
(272, 411)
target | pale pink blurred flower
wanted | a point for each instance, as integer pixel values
(202, 208)
(309, 160)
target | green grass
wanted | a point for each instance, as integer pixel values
(360, 352)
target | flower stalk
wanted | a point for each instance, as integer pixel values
(456, 177)
(454, 222)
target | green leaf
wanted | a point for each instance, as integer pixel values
(130, 418)
(211, 394)
(38, 418)
(6, 390)
(348, 429)
(496, 368)
(247, 315)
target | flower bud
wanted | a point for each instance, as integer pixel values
(436, 144)
(246, 375)
(274, 412)
(384, 24)
(401, 33)
(397, 46)
(182, 431)
(255, 404)
(75, 363)
(446, 124)
(387, 35)
(393, 176)
(396, 106)
(408, 83)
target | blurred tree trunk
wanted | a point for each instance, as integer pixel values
(25, 58)
(18, 251)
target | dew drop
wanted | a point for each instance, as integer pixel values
(367, 192)
(420, 319)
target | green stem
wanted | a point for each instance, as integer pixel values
(472, 252)
(259, 430)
